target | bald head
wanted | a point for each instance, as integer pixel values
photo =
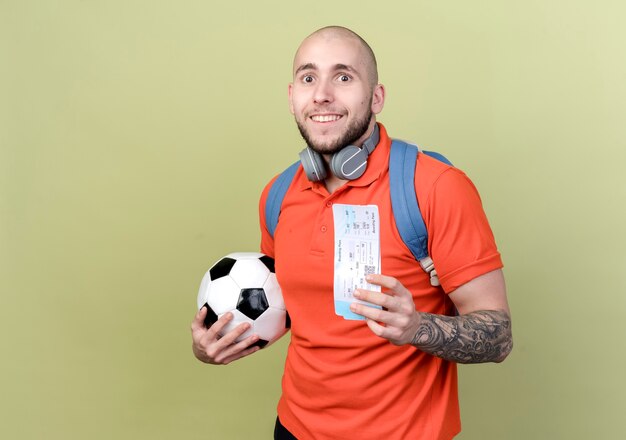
(329, 34)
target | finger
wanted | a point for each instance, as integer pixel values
(380, 299)
(230, 337)
(241, 354)
(198, 320)
(376, 328)
(392, 334)
(391, 284)
(240, 349)
(212, 333)
(215, 349)
(372, 312)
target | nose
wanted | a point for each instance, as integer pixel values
(323, 93)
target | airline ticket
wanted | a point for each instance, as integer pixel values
(357, 254)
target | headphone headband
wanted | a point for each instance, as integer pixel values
(349, 163)
(373, 139)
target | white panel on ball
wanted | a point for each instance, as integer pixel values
(223, 295)
(249, 273)
(244, 255)
(203, 292)
(273, 293)
(271, 324)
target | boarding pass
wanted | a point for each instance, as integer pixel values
(357, 254)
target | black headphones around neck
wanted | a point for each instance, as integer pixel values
(349, 163)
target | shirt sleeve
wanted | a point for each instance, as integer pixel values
(460, 239)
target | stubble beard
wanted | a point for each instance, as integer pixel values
(353, 133)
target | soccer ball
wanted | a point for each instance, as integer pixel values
(245, 284)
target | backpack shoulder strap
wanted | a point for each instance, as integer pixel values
(440, 157)
(276, 195)
(404, 203)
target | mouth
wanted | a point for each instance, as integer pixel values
(326, 118)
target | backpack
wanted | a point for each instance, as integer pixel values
(404, 203)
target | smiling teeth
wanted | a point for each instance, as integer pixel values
(325, 118)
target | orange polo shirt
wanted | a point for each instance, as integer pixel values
(341, 381)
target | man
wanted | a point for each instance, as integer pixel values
(394, 375)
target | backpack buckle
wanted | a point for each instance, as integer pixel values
(429, 267)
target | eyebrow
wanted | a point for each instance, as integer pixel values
(307, 66)
(313, 66)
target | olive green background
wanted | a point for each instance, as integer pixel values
(136, 136)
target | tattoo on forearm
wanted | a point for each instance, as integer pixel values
(483, 336)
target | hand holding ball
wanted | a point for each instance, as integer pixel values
(245, 284)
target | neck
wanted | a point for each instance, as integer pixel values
(368, 133)
(332, 183)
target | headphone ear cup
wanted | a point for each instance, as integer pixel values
(349, 163)
(313, 165)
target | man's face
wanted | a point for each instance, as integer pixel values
(331, 96)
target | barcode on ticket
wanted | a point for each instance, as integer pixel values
(368, 270)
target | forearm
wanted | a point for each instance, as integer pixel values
(481, 336)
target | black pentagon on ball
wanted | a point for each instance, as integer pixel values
(210, 318)
(269, 263)
(252, 302)
(222, 268)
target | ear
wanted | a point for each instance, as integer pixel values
(378, 99)
(290, 93)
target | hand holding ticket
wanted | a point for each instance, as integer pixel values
(357, 254)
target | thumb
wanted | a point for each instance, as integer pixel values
(198, 320)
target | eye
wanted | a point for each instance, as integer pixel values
(307, 79)
(344, 78)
